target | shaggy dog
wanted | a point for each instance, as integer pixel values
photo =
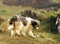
(22, 25)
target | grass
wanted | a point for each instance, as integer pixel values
(43, 36)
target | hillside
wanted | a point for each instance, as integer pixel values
(56, 1)
(32, 3)
(44, 36)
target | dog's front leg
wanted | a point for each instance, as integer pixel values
(12, 32)
(18, 32)
(24, 33)
(31, 33)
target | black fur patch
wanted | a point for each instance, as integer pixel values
(13, 19)
(34, 24)
(24, 21)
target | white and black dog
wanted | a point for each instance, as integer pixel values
(23, 25)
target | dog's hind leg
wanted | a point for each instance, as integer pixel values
(18, 32)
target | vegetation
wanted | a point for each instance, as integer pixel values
(43, 34)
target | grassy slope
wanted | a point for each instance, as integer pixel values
(57, 1)
(44, 38)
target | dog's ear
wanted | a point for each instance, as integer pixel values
(10, 22)
(13, 19)
(33, 23)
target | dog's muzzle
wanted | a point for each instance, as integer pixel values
(37, 28)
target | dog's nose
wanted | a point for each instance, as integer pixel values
(37, 28)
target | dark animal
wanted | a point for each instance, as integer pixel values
(29, 13)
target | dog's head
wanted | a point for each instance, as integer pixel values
(35, 24)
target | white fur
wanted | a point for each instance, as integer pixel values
(57, 20)
(10, 27)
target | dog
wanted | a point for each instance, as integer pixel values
(22, 25)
